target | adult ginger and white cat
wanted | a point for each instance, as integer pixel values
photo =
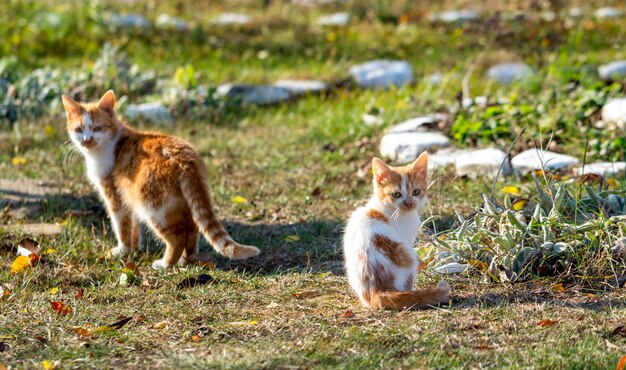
(378, 243)
(148, 177)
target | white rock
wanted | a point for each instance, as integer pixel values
(254, 94)
(608, 12)
(613, 70)
(335, 19)
(416, 124)
(168, 22)
(444, 157)
(533, 159)
(482, 162)
(452, 268)
(227, 19)
(128, 20)
(508, 72)
(405, 147)
(152, 112)
(615, 112)
(602, 168)
(382, 73)
(452, 16)
(301, 87)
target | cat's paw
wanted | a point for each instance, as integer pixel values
(120, 251)
(160, 265)
(183, 261)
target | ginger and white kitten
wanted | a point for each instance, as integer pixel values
(148, 177)
(378, 243)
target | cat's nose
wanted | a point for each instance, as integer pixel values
(87, 140)
(408, 203)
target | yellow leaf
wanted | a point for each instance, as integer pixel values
(48, 365)
(195, 338)
(292, 238)
(20, 263)
(50, 251)
(331, 36)
(54, 290)
(513, 190)
(239, 200)
(160, 325)
(50, 130)
(559, 287)
(18, 161)
(519, 204)
(253, 322)
(82, 332)
(612, 183)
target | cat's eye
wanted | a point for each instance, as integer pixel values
(416, 192)
(396, 195)
(79, 130)
(97, 129)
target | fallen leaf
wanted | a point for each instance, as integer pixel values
(620, 330)
(239, 199)
(590, 295)
(513, 190)
(479, 265)
(306, 294)
(20, 264)
(559, 287)
(119, 324)
(61, 308)
(79, 294)
(316, 192)
(519, 204)
(195, 338)
(160, 325)
(196, 280)
(19, 161)
(54, 290)
(612, 184)
(292, 238)
(48, 365)
(621, 363)
(82, 331)
(546, 323)
(50, 251)
(424, 264)
(2, 367)
(27, 246)
(348, 313)
(130, 266)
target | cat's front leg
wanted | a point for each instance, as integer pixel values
(121, 219)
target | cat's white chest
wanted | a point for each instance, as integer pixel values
(99, 165)
(407, 227)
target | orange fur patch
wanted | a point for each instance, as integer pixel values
(375, 214)
(393, 250)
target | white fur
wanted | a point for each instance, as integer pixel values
(403, 227)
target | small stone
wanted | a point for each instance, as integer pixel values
(482, 162)
(614, 112)
(535, 159)
(454, 16)
(417, 124)
(612, 71)
(602, 168)
(302, 87)
(168, 22)
(382, 73)
(405, 147)
(435, 78)
(254, 94)
(575, 12)
(151, 112)
(128, 21)
(506, 73)
(452, 268)
(229, 19)
(609, 12)
(335, 19)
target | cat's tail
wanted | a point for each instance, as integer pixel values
(411, 299)
(198, 198)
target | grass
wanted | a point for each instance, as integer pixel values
(292, 306)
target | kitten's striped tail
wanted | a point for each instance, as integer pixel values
(411, 299)
(196, 194)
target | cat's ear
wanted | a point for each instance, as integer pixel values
(71, 106)
(381, 170)
(420, 165)
(107, 102)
